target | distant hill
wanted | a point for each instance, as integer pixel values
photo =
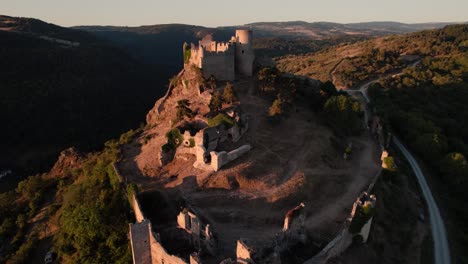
(350, 64)
(161, 44)
(321, 30)
(62, 87)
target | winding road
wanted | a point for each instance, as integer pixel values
(439, 235)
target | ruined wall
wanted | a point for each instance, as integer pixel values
(219, 64)
(137, 210)
(159, 254)
(243, 253)
(146, 249)
(196, 55)
(139, 239)
(219, 159)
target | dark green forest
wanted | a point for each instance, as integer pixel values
(427, 107)
(55, 96)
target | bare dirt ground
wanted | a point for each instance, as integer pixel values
(292, 161)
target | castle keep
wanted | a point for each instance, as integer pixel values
(223, 60)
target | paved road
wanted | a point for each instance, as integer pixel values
(363, 87)
(439, 235)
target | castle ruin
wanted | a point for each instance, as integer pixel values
(222, 60)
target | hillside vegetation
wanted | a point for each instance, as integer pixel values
(78, 210)
(53, 96)
(349, 65)
(427, 107)
(161, 44)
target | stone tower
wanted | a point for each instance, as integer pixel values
(244, 52)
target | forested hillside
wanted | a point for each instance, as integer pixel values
(427, 107)
(54, 95)
(349, 65)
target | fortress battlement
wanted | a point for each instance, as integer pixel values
(224, 60)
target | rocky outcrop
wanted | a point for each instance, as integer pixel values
(67, 160)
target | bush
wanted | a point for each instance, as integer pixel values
(221, 119)
(187, 53)
(22, 254)
(454, 168)
(276, 108)
(126, 137)
(30, 186)
(216, 103)
(192, 142)
(174, 138)
(390, 163)
(228, 95)
(343, 114)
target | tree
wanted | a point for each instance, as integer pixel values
(431, 146)
(267, 78)
(343, 114)
(228, 95)
(183, 109)
(216, 103)
(454, 167)
(276, 108)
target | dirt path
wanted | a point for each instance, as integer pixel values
(332, 74)
(367, 164)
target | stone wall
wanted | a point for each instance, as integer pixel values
(218, 64)
(201, 234)
(146, 248)
(243, 252)
(224, 60)
(137, 210)
(219, 159)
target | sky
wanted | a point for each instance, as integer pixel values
(229, 12)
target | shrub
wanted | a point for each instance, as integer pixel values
(187, 53)
(192, 142)
(343, 114)
(23, 253)
(390, 163)
(228, 95)
(174, 137)
(216, 103)
(276, 108)
(30, 186)
(126, 137)
(221, 119)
